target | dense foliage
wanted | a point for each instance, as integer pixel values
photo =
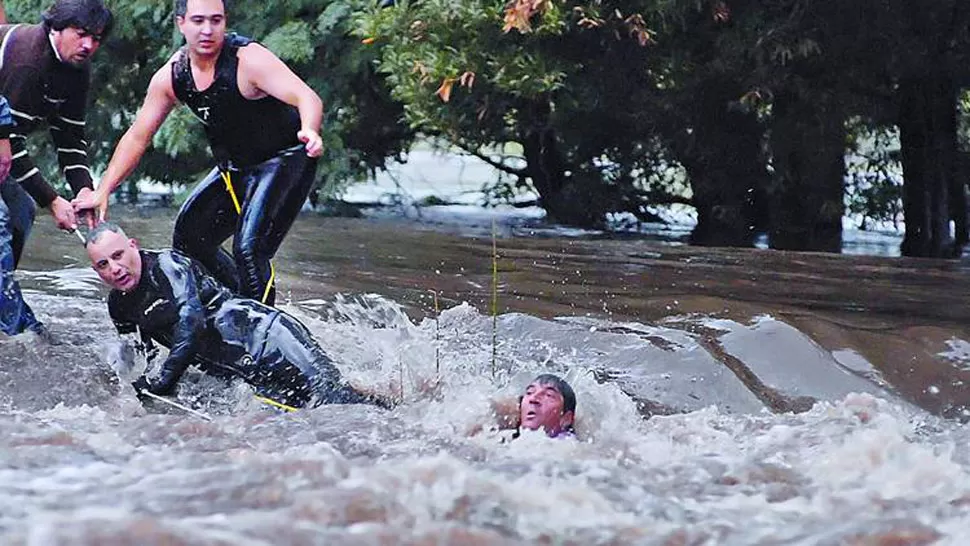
(362, 127)
(765, 116)
(772, 107)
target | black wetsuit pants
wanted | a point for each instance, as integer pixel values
(270, 196)
(292, 369)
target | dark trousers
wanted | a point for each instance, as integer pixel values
(270, 195)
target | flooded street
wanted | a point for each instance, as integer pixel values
(725, 396)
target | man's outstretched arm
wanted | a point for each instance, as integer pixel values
(159, 102)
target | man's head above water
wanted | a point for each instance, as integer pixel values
(549, 403)
(114, 256)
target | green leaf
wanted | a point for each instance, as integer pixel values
(332, 16)
(291, 42)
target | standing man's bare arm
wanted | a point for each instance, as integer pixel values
(159, 102)
(263, 73)
(3, 14)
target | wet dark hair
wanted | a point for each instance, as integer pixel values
(90, 15)
(100, 230)
(558, 383)
(182, 5)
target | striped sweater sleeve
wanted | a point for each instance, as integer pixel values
(67, 130)
(24, 171)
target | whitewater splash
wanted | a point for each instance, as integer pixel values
(83, 462)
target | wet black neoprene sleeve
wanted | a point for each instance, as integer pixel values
(187, 334)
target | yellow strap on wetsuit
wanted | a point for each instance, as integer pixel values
(274, 403)
(227, 178)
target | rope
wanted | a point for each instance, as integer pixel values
(227, 178)
(274, 403)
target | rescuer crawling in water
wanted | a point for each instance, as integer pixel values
(169, 298)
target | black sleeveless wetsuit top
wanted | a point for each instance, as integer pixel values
(242, 131)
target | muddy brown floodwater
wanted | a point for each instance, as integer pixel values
(897, 313)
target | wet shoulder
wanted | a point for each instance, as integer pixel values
(176, 60)
(25, 46)
(171, 263)
(170, 258)
(231, 50)
(24, 38)
(235, 41)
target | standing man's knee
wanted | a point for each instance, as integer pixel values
(181, 242)
(186, 233)
(20, 207)
(253, 263)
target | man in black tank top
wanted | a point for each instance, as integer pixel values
(263, 126)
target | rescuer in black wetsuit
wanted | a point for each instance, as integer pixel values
(169, 298)
(262, 123)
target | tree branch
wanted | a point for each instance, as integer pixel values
(497, 164)
(663, 198)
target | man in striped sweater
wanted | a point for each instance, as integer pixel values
(44, 76)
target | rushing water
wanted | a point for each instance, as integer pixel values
(724, 397)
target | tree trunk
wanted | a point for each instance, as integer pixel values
(927, 134)
(566, 199)
(958, 203)
(726, 167)
(808, 145)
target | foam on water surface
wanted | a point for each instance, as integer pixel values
(83, 462)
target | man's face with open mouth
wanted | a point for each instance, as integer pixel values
(542, 407)
(116, 260)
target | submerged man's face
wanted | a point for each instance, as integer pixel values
(542, 407)
(116, 260)
(203, 26)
